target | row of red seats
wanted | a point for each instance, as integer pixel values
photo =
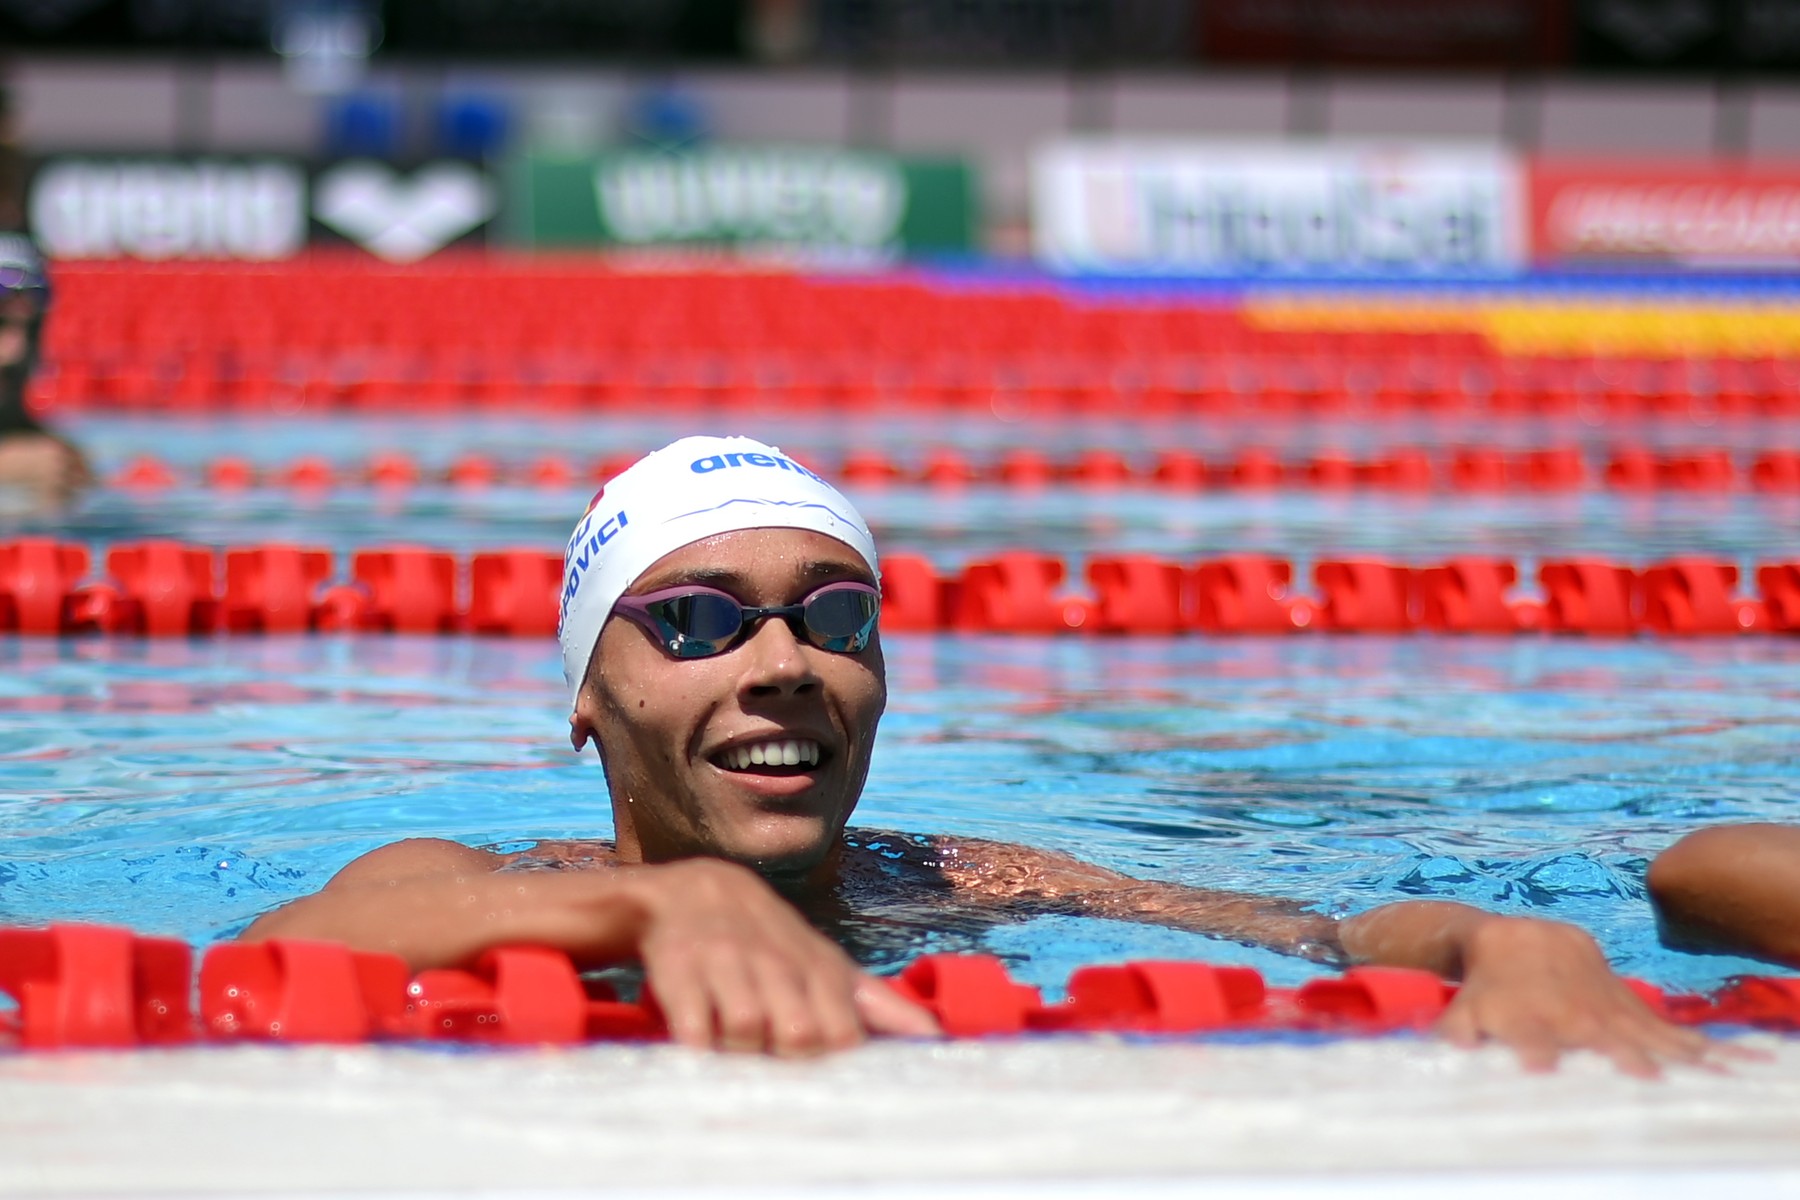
(173, 589)
(322, 304)
(82, 986)
(516, 305)
(1466, 469)
(327, 332)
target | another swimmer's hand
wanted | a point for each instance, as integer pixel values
(734, 967)
(1543, 987)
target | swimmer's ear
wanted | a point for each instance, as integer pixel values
(581, 732)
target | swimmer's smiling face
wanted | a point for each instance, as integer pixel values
(674, 734)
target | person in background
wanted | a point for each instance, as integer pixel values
(719, 640)
(1732, 889)
(33, 459)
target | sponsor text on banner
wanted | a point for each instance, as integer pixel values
(1696, 213)
(1177, 207)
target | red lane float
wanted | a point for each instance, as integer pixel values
(92, 985)
(1137, 593)
(1694, 596)
(1407, 469)
(1780, 585)
(1159, 997)
(1584, 596)
(1385, 997)
(38, 577)
(1469, 595)
(271, 589)
(169, 589)
(514, 592)
(1364, 597)
(166, 589)
(1246, 594)
(299, 991)
(408, 589)
(82, 986)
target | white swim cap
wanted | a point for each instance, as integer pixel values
(688, 490)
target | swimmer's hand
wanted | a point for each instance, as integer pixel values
(1539, 987)
(1543, 987)
(734, 967)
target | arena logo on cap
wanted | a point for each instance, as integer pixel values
(721, 462)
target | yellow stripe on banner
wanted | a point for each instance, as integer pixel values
(1530, 326)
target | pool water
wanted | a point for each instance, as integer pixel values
(186, 786)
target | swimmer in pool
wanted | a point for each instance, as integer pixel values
(1732, 889)
(47, 468)
(719, 643)
(34, 460)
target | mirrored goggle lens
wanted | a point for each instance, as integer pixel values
(841, 619)
(698, 624)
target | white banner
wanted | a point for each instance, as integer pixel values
(166, 207)
(1178, 207)
(157, 208)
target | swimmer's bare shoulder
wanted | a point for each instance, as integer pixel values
(412, 858)
(417, 857)
(437, 902)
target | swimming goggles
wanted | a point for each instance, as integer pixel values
(698, 622)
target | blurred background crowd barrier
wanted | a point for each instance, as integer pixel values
(1183, 136)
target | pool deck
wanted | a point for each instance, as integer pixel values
(1045, 1118)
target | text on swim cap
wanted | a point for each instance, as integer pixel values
(582, 548)
(719, 462)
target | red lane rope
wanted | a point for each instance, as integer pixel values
(172, 589)
(1631, 469)
(80, 986)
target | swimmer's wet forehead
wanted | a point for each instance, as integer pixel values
(730, 579)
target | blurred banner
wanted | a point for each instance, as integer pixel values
(1691, 214)
(762, 198)
(254, 209)
(1230, 207)
(1422, 32)
(1004, 33)
(158, 208)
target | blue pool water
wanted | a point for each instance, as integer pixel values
(185, 787)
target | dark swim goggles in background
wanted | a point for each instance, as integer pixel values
(696, 622)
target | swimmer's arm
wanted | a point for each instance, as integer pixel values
(1430, 935)
(437, 903)
(1436, 936)
(733, 965)
(1732, 888)
(1540, 987)
(1001, 873)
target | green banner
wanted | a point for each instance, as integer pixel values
(773, 197)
